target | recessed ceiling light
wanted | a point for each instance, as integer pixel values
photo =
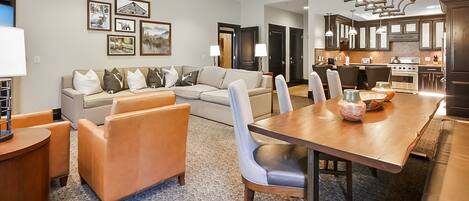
(306, 8)
(433, 7)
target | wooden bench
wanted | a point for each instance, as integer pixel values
(449, 175)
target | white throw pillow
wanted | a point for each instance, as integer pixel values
(87, 84)
(171, 77)
(136, 80)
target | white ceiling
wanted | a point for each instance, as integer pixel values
(421, 7)
(296, 6)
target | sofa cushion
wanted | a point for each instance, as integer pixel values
(193, 92)
(103, 98)
(251, 78)
(151, 90)
(212, 76)
(113, 81)
(221, 96)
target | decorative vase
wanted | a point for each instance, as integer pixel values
(352, 108)
(384, 88)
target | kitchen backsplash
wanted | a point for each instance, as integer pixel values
(400, 49)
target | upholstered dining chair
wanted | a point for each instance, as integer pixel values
(267, 168)
(334, 83)
(321, 70)
(324, 157)
(377, 74)
(315, 85)
(284, 99)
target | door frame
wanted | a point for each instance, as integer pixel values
(235, 41)
(283, 29)
(301, 66)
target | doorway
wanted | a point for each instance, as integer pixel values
(277, 49)
(228, 40)
(296, 56)
(226, 49)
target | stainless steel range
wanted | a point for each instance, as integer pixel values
(404, 74)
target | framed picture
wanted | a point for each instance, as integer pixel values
(99, 16)
(155, 38)
(135, 8)
(118, 45)
(124, 25)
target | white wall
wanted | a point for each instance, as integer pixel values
(289, 20)
(56, 32)
(316, 33)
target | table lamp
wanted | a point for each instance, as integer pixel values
(214, 52)
(261, 52)
(12, 64)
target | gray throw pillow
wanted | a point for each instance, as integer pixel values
(113, 81)
(188, 79)
(155, 78)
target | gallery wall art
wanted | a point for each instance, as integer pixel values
(124, 25)
(99, 16)
(120, 45)
(155, 38)
(134, 8)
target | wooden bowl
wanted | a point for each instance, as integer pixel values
(374, 101)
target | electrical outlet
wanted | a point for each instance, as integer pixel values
(428, 59)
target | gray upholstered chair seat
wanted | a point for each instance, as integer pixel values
(285, 164)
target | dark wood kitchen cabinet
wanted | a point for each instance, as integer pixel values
(340, 26)
(431, 34)
(457, 61)
(431, 79)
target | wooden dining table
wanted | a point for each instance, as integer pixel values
(383, 139)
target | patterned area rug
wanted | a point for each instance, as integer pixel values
(213, 173)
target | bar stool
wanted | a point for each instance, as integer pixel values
(377, 74)
(349, 77)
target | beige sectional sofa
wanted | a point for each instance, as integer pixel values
(208, 98)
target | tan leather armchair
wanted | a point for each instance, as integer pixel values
(59, 145)
(142, 143)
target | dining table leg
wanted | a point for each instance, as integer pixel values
(312, 186)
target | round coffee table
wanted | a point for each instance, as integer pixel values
(24, 165)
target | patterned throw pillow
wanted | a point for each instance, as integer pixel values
(171, 77)
(113, 81)
(155, 78)
(188, 79)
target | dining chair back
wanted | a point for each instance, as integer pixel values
(283, 95)
(316, 87)
(349, 77)
(321, 71)
(246, 144)
(377, 74)
(334, 83)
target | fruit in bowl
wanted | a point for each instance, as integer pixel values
(352, 108)
(373, 100)
(384, 88)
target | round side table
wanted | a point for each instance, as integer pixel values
(24, 165)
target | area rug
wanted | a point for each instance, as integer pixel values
(213, 174)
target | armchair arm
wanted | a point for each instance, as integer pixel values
(72, 105)
(266, 82)
(59, 149)
(31, 119)
(91, 154)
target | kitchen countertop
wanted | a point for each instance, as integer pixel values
(431, 65)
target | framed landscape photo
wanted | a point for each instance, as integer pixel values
(134, 8)
(124, 25)
(99, 16)
(155, 38)
(119, 45)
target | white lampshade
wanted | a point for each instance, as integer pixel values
(261, 50)
(214, 50)
(12, 52)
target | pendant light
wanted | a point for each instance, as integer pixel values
(353, 31)
(329, 33)
(381, 30)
